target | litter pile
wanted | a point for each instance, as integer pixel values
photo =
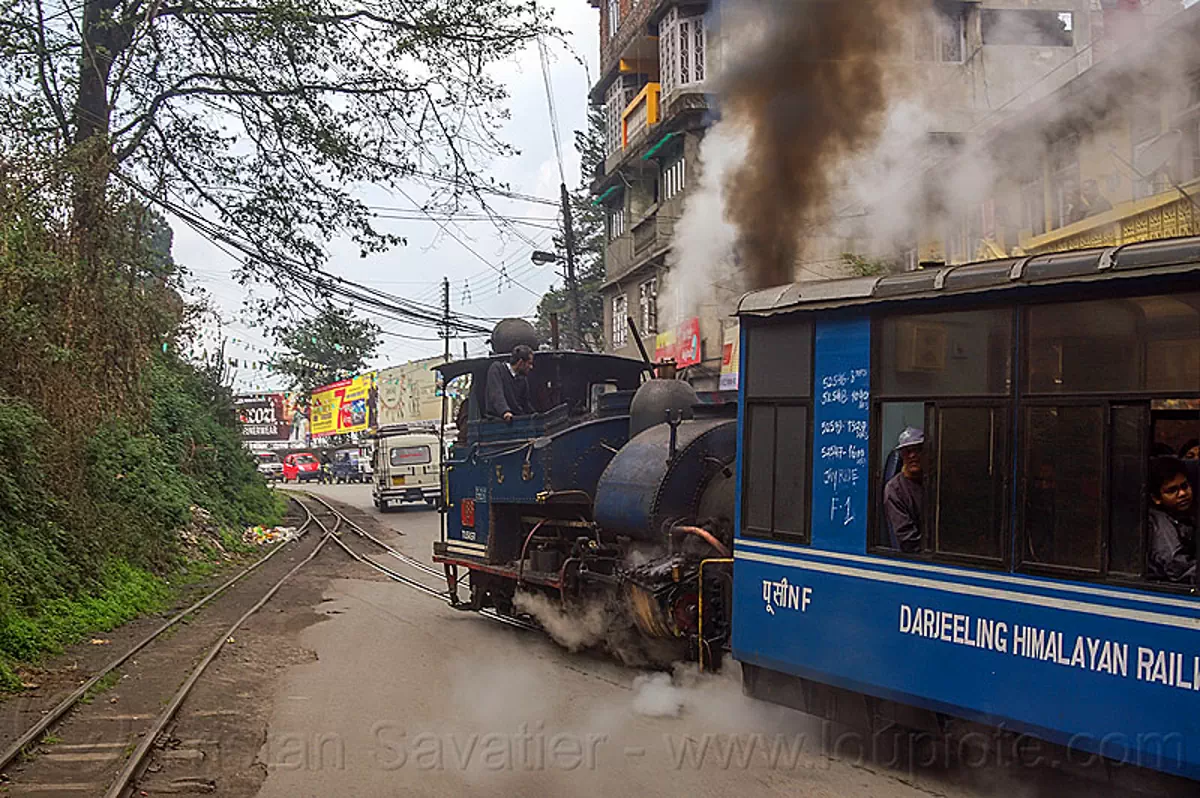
(263, 536)
(201, 534)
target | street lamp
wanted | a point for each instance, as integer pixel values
(541, 258)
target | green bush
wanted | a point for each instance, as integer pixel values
(87, 552)
(124, 593)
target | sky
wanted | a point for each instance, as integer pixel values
(416, 271)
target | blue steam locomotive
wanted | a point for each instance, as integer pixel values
(1043, 390)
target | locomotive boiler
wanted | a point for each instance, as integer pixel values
(613, 501)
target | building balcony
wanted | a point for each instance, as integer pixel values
(651, 235)
(645, 243)
(1165, 215)
(640, 116)
(633, 40)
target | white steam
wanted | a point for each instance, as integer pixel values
(655, 695)
(574, 629)
(702, 258)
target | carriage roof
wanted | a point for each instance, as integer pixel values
(1167, 257)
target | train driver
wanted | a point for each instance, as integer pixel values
(1172, 555)
(903, 495)
(507, 387)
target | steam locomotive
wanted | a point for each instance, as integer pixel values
(615, 501)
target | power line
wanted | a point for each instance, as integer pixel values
(467, 246)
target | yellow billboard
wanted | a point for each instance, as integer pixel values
(342, 407)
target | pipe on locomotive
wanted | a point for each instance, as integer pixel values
(703, 534)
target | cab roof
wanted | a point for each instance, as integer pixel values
(597, 361)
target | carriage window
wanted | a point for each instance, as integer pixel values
(893, 419)
(951, 502)
(1127, 500)
(1115, 346)
(969, 481)
(776, 475)
(1064, 475)
(946, 354)
(775, 452)
(791, 473)
(760, 465)
(1109, 385)
(779, 361)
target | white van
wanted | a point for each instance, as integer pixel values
(406, 467)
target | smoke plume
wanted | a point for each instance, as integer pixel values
(808, 90)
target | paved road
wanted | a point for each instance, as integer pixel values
(408, 697)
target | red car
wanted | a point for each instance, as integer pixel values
(302, 467)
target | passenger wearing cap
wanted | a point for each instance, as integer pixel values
(903, 496)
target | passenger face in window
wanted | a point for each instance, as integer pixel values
(1190, 450)
(910, 457)
(1174, 496)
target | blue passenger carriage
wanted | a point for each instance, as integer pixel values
(1031, 599)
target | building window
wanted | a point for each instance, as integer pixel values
(616, 98)
(1033, 206)
(940, 36)
(1029, 28)
(672, 178)
(1145, 127)
(616, 223)
(648, 304)
(614, 18)
(682, 41)
(1189, 167)
(1065, 193)
(620, 327)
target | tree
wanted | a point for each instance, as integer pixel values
(589, 224)
(264, 113)
(329, 347)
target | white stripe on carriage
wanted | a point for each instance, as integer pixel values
(986, 576)
(1103, 610)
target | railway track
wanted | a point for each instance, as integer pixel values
(413, 562)
(93, 755)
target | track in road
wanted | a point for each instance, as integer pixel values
(413, 562)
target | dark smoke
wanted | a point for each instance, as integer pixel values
(812, 92)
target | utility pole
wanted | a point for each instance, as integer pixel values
(445, 410)
(572, 282)
(446, 356)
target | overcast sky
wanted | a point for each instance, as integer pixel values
(416, 271)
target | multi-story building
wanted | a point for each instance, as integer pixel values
(973, 63)
(1111, 157)
(655, 61)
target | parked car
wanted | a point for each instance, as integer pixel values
(269, 465)
(302, 467)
